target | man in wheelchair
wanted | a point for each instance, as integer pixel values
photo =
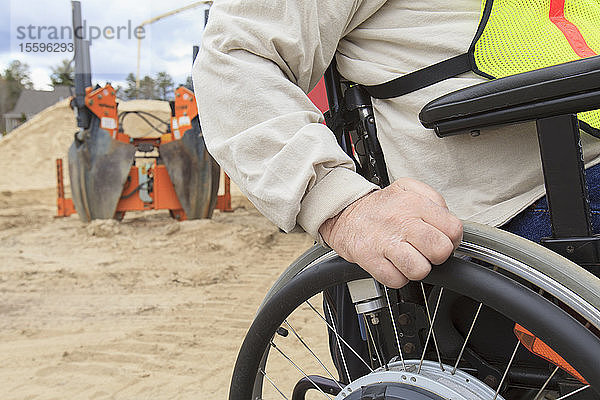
(259, 59)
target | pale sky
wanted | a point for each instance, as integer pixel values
(167, 45)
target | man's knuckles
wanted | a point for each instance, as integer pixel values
(425, 190)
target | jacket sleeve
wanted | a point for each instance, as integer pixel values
(258, 60)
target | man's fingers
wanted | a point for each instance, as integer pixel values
(430, 242)
(385, 272)
(408, 260)
(441, 219)
(423, 189)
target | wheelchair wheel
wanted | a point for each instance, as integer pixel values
(502, 318)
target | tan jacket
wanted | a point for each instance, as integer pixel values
(260, 57)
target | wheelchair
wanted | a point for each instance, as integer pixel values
(503, 318)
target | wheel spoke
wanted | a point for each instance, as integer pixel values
(573, 392)
(337, 340)
(299, 369)
(538, 394)
(431, 326)
(464, 346)
(506, 370)
(395, 329)
(272, 383)
(431, 322)
(312, 352)
(337, 335)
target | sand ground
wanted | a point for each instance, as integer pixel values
(145, 308)
(148, 308)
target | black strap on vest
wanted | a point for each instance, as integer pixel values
(422, 78)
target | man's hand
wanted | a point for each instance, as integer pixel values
(395, 233)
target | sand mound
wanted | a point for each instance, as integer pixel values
(28, 154)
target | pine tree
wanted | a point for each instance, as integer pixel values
(130, 90)
(13, 80)
(62, 74)
(148, 88)
(165, 84)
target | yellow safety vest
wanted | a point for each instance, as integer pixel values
(517, 36)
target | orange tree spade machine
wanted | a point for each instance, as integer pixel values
(112, 173)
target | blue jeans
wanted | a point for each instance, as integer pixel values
(533, 223)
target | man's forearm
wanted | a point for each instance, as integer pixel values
(250, 79)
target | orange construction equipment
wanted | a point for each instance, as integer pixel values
(103, 103)
(224, 200)
(65, 206)
(112, 173)
(184, 111)
(147, 185)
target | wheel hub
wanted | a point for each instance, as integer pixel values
(431, 383)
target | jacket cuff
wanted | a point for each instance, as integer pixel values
(337, 190)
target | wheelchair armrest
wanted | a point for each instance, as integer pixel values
(567, 88)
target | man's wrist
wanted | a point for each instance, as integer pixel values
(330, 196)
(327, 227)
